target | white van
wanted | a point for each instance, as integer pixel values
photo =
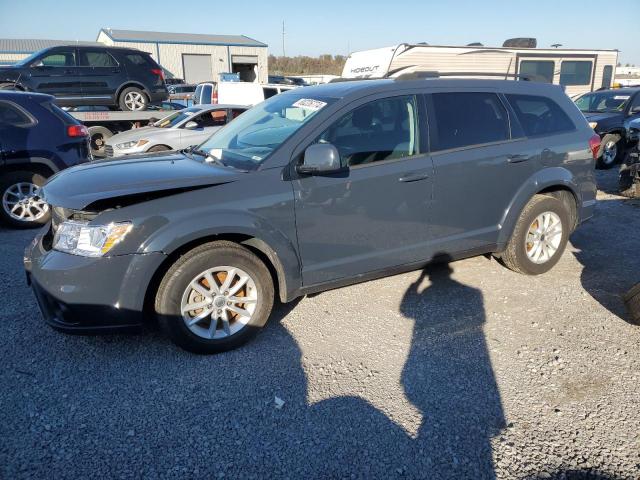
(236, 93)
(578, 71)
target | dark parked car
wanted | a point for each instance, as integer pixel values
(37, 139)
(314, 189)
(607, 111)
(76, 75)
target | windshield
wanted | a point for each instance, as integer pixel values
(29, 59)
(254, 135)
(603, 102)
(176, 117)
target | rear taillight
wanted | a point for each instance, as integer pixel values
(77, 131)
(159, 72)
(214, 94)
(594, 145)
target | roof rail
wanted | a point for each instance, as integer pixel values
(423, 74)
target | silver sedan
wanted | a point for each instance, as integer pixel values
(181, 129)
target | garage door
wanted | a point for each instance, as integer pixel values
(197, 68)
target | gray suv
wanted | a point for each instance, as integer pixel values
(314, 189)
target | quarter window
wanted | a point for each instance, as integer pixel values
(11, 115)
(575, 73)
(541, 68)
(540, 115)
(381, 130)
(464, 119)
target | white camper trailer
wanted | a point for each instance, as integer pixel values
(579, 71)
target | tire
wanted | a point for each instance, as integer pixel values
(133, 99)
(98, 136)
(35, 214)
(611, 151)
(175, 290)
(159, 148)
(516, 256)
(632, 302)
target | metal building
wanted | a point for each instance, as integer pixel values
(196, 57)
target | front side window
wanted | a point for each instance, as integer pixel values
(540, 115)
(607, 75)
(463, 119)
(540, 68)
(215, 118)
(96, 59)
(603, 102)
(257, 133)
(381, 130)
(575, 73)
(66, 58)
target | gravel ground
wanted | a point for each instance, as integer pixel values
(460, 371)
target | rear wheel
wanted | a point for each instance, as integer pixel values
(539, 238)
(611, 151)
(98, 139)
(21, 207)
(133, 99)
(215, 298)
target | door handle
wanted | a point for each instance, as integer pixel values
(517, 158)
(69, 72)
(413, 177)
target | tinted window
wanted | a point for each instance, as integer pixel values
(11, 115)
(137, 59)
(575, 73)
(540, 115)
(542, 68)
(463, 119)
(96, 59)
(236, 112)
(603, 102)
(216, 118)
(269, 92)
(59, 59)
(380, 130)
(607, 74)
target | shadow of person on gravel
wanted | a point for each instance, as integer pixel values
(448, 376)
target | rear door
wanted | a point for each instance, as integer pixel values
(56, 73)
(480, 163)
(100, 73)
(375, 215)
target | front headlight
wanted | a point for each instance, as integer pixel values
(135, 143)
(593, 125)
(80, 238)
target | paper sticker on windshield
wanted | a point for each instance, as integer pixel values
(621, 97)
(309, 103)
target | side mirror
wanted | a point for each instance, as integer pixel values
(191, 125)
(321, 158)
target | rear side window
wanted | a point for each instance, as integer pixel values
(541, 68)
(540, 115)
(380, 130)
(96, 59)
(14, 116)
(575, 73)
(464, 119)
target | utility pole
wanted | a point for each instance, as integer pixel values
(284, 52)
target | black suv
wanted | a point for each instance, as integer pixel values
(608, 111)
(76, 75)
(315, 188)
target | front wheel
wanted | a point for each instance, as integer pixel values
(21, 206)
(611, 151)
(215, 298)
(539, 238)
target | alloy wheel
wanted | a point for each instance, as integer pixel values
(609, 152)
(219, 302)
(543, 237)
(134, 101)
(21, 202)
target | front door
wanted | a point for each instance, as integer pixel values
(376, 214)
(56, 73)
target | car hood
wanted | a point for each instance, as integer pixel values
(81, 186)
(599, 117)
(139, 133)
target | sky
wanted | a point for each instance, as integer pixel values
(337, 27)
